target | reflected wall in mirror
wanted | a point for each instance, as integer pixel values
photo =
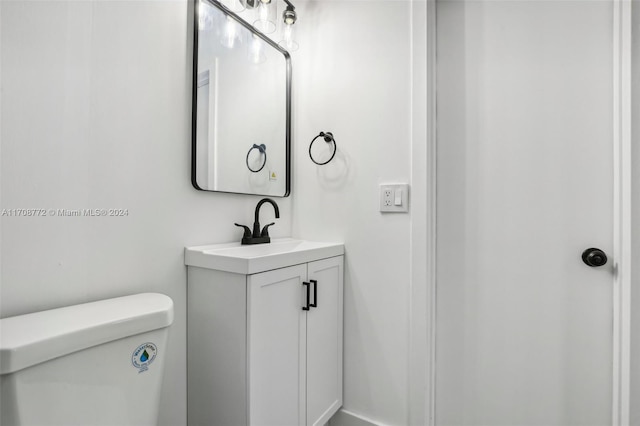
(241, 106)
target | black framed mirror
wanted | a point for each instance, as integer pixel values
(241, 134)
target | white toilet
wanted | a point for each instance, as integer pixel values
(98, 363)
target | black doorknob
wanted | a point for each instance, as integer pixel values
(594, 257)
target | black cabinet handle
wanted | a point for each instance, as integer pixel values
(315, 294)
(306, 284)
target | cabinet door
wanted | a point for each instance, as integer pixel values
(277, 347)
(324, 341)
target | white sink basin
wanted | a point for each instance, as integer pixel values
(251, 259)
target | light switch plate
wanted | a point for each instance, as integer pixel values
(390, 194)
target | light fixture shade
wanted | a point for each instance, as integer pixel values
(256, 50)
(230, 33)
(266, 16)
(289, 41)
(205, 17)
(234, 5)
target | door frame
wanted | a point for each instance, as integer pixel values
(621, 403)
(422, 362)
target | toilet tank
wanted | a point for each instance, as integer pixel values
(98, 363)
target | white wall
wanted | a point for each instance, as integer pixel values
(96, 104)
(352, 77)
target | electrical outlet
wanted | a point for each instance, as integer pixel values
(387, 197)
(394, 198)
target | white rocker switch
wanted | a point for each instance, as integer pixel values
(398, 198)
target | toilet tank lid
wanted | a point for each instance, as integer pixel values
(30, 339)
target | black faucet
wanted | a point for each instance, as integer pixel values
(259, 237)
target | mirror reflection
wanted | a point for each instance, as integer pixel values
(241, 104)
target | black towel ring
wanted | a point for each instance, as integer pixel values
(263, 150)
(328, 138)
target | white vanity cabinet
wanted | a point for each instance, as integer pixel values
(256, 354)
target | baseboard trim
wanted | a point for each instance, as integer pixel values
(349, 418)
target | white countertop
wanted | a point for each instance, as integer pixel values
(251, 259)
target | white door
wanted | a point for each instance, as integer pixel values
(324, 341)
(524, 185)
(277, 347)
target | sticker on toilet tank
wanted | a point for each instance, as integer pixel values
(143, 356)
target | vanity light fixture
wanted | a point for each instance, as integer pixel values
(289, 18)
(256, 52)
(205, 20)
(289, 15)
(267, 11)
(235, 5)
(263, 15)
(231, 33)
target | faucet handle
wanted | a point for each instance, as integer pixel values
(247, 231)
(265, 230)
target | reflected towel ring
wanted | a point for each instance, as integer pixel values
(328, 138)
(263, 150)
